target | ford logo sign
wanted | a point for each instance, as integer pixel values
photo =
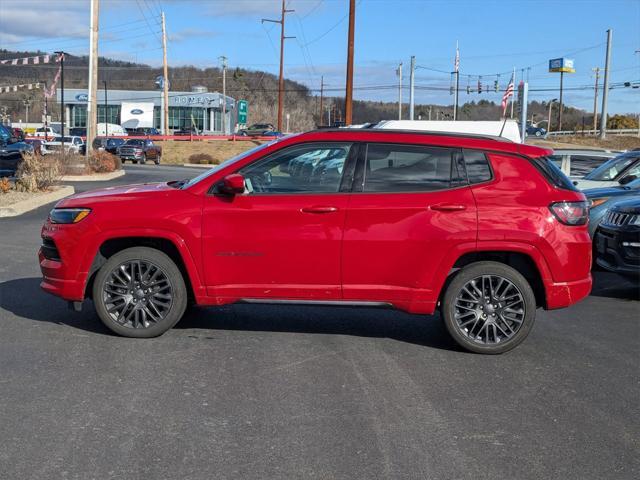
(137, 111)
(82, 97)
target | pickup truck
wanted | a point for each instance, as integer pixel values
(140, 150)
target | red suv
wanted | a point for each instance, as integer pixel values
(482, 229)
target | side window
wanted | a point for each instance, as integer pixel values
(583, 164)
(407, 168)
(311, 168)
(477, 166)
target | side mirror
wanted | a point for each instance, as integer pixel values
(627, 179)
(232, 184)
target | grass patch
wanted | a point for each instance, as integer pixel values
(214, 151)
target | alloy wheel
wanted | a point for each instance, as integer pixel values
(137, 294)
(489, 310)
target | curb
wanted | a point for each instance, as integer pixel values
(198, 165)
(96, 177)
(25, 206)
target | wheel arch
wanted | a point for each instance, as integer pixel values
(176, 250)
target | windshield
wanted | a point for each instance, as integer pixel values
(134, 142)
(611, 169)
(225, 164)
(59, 139)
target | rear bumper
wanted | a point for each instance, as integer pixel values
(564, 294)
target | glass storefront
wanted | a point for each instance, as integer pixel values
(185, 117)
(79, 115)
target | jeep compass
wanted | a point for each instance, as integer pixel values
(483, 230)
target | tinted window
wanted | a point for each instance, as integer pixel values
(135, 142)
(477, 166)
(583, 164)
(407, 168)
(553, 173)
(301, 169)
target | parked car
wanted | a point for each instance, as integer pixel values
(140, 150)
(39, 146)
(109, 144)
(576, 163)
(71, 145)
(187, 131)
(47, 132)
(484, 230)
(11, 150)
(603, 198)
(257, 129)
(619, 170)
(536, 131)
(142, 131)
(617, 239)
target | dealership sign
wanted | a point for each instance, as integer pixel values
(243, 109)
(564, 65)
(82, 97)
(136, 114)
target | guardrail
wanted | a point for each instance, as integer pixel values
(619, 131)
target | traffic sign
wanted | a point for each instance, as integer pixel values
(243, 110)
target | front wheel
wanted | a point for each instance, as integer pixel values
(139, 292)
(489, 308)
(158, 158)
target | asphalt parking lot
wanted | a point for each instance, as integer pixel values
(268, 392)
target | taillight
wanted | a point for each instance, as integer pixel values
(571, 213)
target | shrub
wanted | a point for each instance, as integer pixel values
(36, 172)
(202, 158)
(103, 162)
(5, 185)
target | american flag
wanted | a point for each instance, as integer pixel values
(508, 93)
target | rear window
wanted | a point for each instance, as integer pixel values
(407, 168)
(553, 173)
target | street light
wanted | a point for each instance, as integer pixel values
(549, 120)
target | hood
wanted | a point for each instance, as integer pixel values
(627, 206)
(110, 194)
(607, 192)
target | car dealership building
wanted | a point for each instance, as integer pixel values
(142, 108)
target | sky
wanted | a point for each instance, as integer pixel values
(494, 37)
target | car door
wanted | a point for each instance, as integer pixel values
(280, 239)
(409, 208)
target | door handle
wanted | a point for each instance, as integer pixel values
(319, 209)
(448, 207)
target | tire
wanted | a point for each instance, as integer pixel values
(538, 133)
(158, 158)
(129, 308)
(144, 159)
(134, 161)
(494, 327)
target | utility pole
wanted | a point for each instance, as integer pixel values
(27, 103)
(106, 122)
(595, 100)
(514, 87)
(92, 103)
(223, 59)
(399, 72)
(165, 73)
(412, 87)
(61, 55)
(284, 11)
(321, 97)
(430, 112)
(605, 88)
(549, 119)
(348, 98)
(46, 113)
(457, 72)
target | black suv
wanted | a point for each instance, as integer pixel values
(617, 239)
(110, 144)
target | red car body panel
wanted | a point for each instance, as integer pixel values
(396, 248)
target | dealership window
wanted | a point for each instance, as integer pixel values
(79, 116)
(156, 117)
(113, 114)
(186, 117)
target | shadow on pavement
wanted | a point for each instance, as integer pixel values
(611, 285)
(24, 298)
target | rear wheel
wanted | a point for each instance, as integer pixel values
(139, 292)
(489, 308)
(158, 158)
(144, 159)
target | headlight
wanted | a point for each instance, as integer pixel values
(635, 220)
(598, 201)
(68, 215)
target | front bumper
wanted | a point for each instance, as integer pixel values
(613, 252)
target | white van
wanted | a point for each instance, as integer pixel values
(111, 130)
(508, 130)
